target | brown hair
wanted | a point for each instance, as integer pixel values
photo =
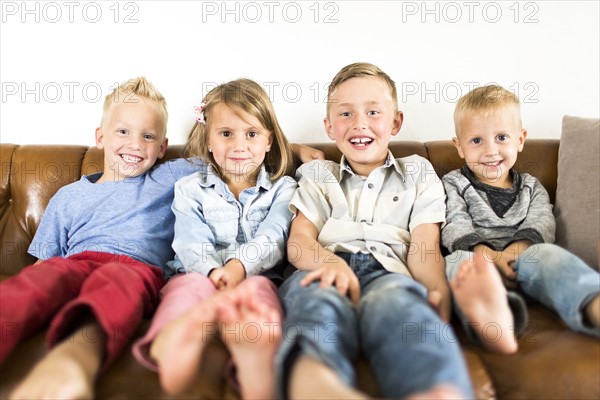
(485, 99)
(358, 70)
(246, 95)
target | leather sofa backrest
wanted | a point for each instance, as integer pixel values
(31, 175)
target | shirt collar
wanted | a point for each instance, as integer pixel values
(516, 179)
(211, 178)
(389, 162)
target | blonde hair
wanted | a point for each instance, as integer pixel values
(250, 97)
(358, 70)
(485, 100)
(137, 87)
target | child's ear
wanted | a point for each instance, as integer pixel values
(99, 138)
(163, 148)
(269, 143)
(456, 144)
(397, 123)
(522, 138)
(328, 128)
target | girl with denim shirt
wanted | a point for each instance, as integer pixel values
(231, 227)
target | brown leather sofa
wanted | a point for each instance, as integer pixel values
(552, 361)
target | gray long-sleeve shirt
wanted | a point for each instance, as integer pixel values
(477, 213)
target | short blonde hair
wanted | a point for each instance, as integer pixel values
(485, 100)
(138, 87)
(358, 70)
(250, 97)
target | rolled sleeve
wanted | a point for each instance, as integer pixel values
(309, 197)
(430, 203)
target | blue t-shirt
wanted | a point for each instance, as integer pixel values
(132, 217)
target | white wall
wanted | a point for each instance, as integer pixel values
(58, 59)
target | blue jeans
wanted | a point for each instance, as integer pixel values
(408, 347)
(553, 276)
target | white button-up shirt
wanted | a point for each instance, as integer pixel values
(373, 214)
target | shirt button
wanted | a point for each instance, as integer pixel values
(370, 186)
(395, 198)
(372, 248)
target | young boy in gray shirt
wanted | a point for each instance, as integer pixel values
(499, 229)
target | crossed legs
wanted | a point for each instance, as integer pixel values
(247, 320)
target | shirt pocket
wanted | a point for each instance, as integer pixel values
(255, 217)
(224, 225)
(394, 208)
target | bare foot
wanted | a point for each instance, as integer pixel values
(438, 392)
(251, 331)
(478, 290)
(177, 349)
(324, 383)
(592, 312)
(68, 371)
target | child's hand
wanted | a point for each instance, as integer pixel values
(306, 153)
(335, 272)
(507, 272)
(441, 303)
(514, 250)
(228, 276)
(504, 262)
(508, 258)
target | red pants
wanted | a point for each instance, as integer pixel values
(116, 290)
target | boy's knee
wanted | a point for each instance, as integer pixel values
(320, 303)
(394, 294)
(544, 258)
(542, 254)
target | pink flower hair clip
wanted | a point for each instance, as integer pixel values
(199, 113)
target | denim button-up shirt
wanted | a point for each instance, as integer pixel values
(212, 226)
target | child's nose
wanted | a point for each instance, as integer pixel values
(360, 121)
(135, 141)
(240, 142)
(491, 148)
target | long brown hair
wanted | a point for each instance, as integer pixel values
(249, 96)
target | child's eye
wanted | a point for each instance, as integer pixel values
(476, 140)
(373, 112)
(149, 136)
(121, 132)
(252, 134)
(225, 133)
(502, 138)
(345, 114)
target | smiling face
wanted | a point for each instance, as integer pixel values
(133, 138)
(361, 119)
(490, 142)
(238, 143)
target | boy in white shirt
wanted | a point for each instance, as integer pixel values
(366, 241)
